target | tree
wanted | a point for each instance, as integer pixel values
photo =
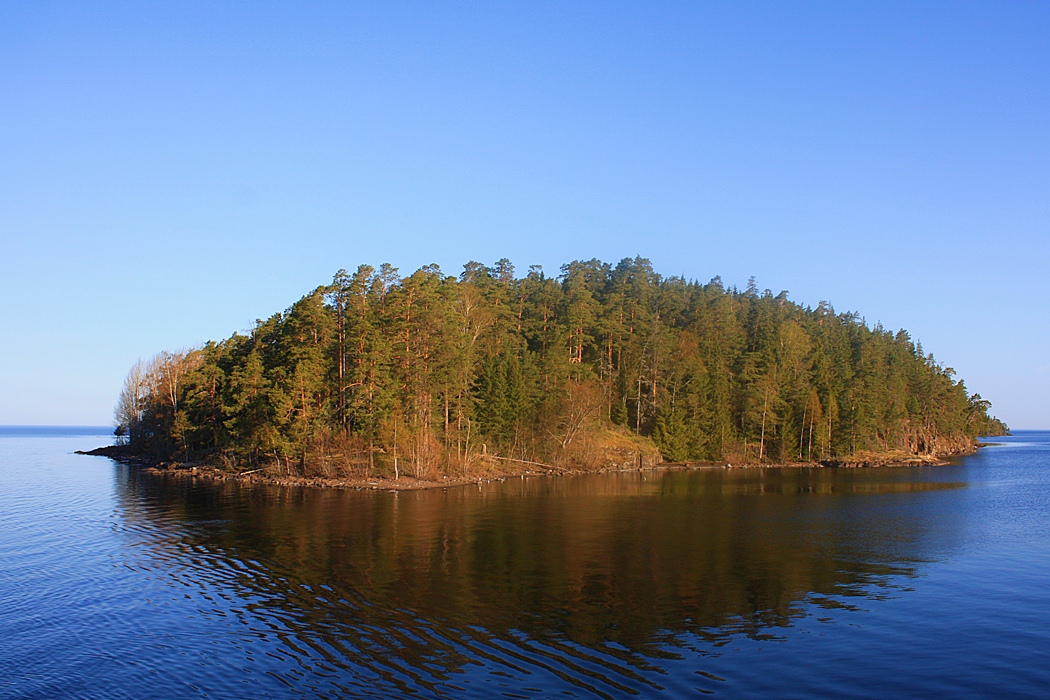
(131, 404)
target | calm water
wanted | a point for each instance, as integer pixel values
(781, 583)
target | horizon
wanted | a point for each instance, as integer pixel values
(175, 173)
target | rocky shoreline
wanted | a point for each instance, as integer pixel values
(496, 471)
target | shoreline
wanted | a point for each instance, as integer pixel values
(191, 470)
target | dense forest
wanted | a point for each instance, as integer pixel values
(430, 375)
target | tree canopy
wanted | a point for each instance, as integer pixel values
(378, 373)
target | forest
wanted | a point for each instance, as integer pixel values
(434, 375)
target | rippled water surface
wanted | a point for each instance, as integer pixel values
(781, 583)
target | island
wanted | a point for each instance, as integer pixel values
(382, 381)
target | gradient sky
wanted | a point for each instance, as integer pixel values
(169, 172)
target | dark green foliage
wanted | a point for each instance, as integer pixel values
(375, 371)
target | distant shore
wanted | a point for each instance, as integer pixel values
(495, 471)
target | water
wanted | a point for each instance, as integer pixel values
(907, 582)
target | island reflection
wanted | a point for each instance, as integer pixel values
(594, 578)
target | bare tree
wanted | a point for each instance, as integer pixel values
(132, 403)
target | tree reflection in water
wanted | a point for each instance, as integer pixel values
(593, 583)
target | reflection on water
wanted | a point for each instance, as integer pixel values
(595, 585)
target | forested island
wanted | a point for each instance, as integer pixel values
(434, 377)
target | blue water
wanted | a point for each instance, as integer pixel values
(905, 582)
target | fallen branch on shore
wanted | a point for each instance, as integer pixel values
(523, 461)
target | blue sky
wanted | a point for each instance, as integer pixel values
(171, 172)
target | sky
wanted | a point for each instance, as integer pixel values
(171, 172)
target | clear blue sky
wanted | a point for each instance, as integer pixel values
(170, 172)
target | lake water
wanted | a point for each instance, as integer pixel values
(874, 583)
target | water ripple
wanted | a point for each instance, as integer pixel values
(800, 583)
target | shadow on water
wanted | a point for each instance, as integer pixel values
(589, 584)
